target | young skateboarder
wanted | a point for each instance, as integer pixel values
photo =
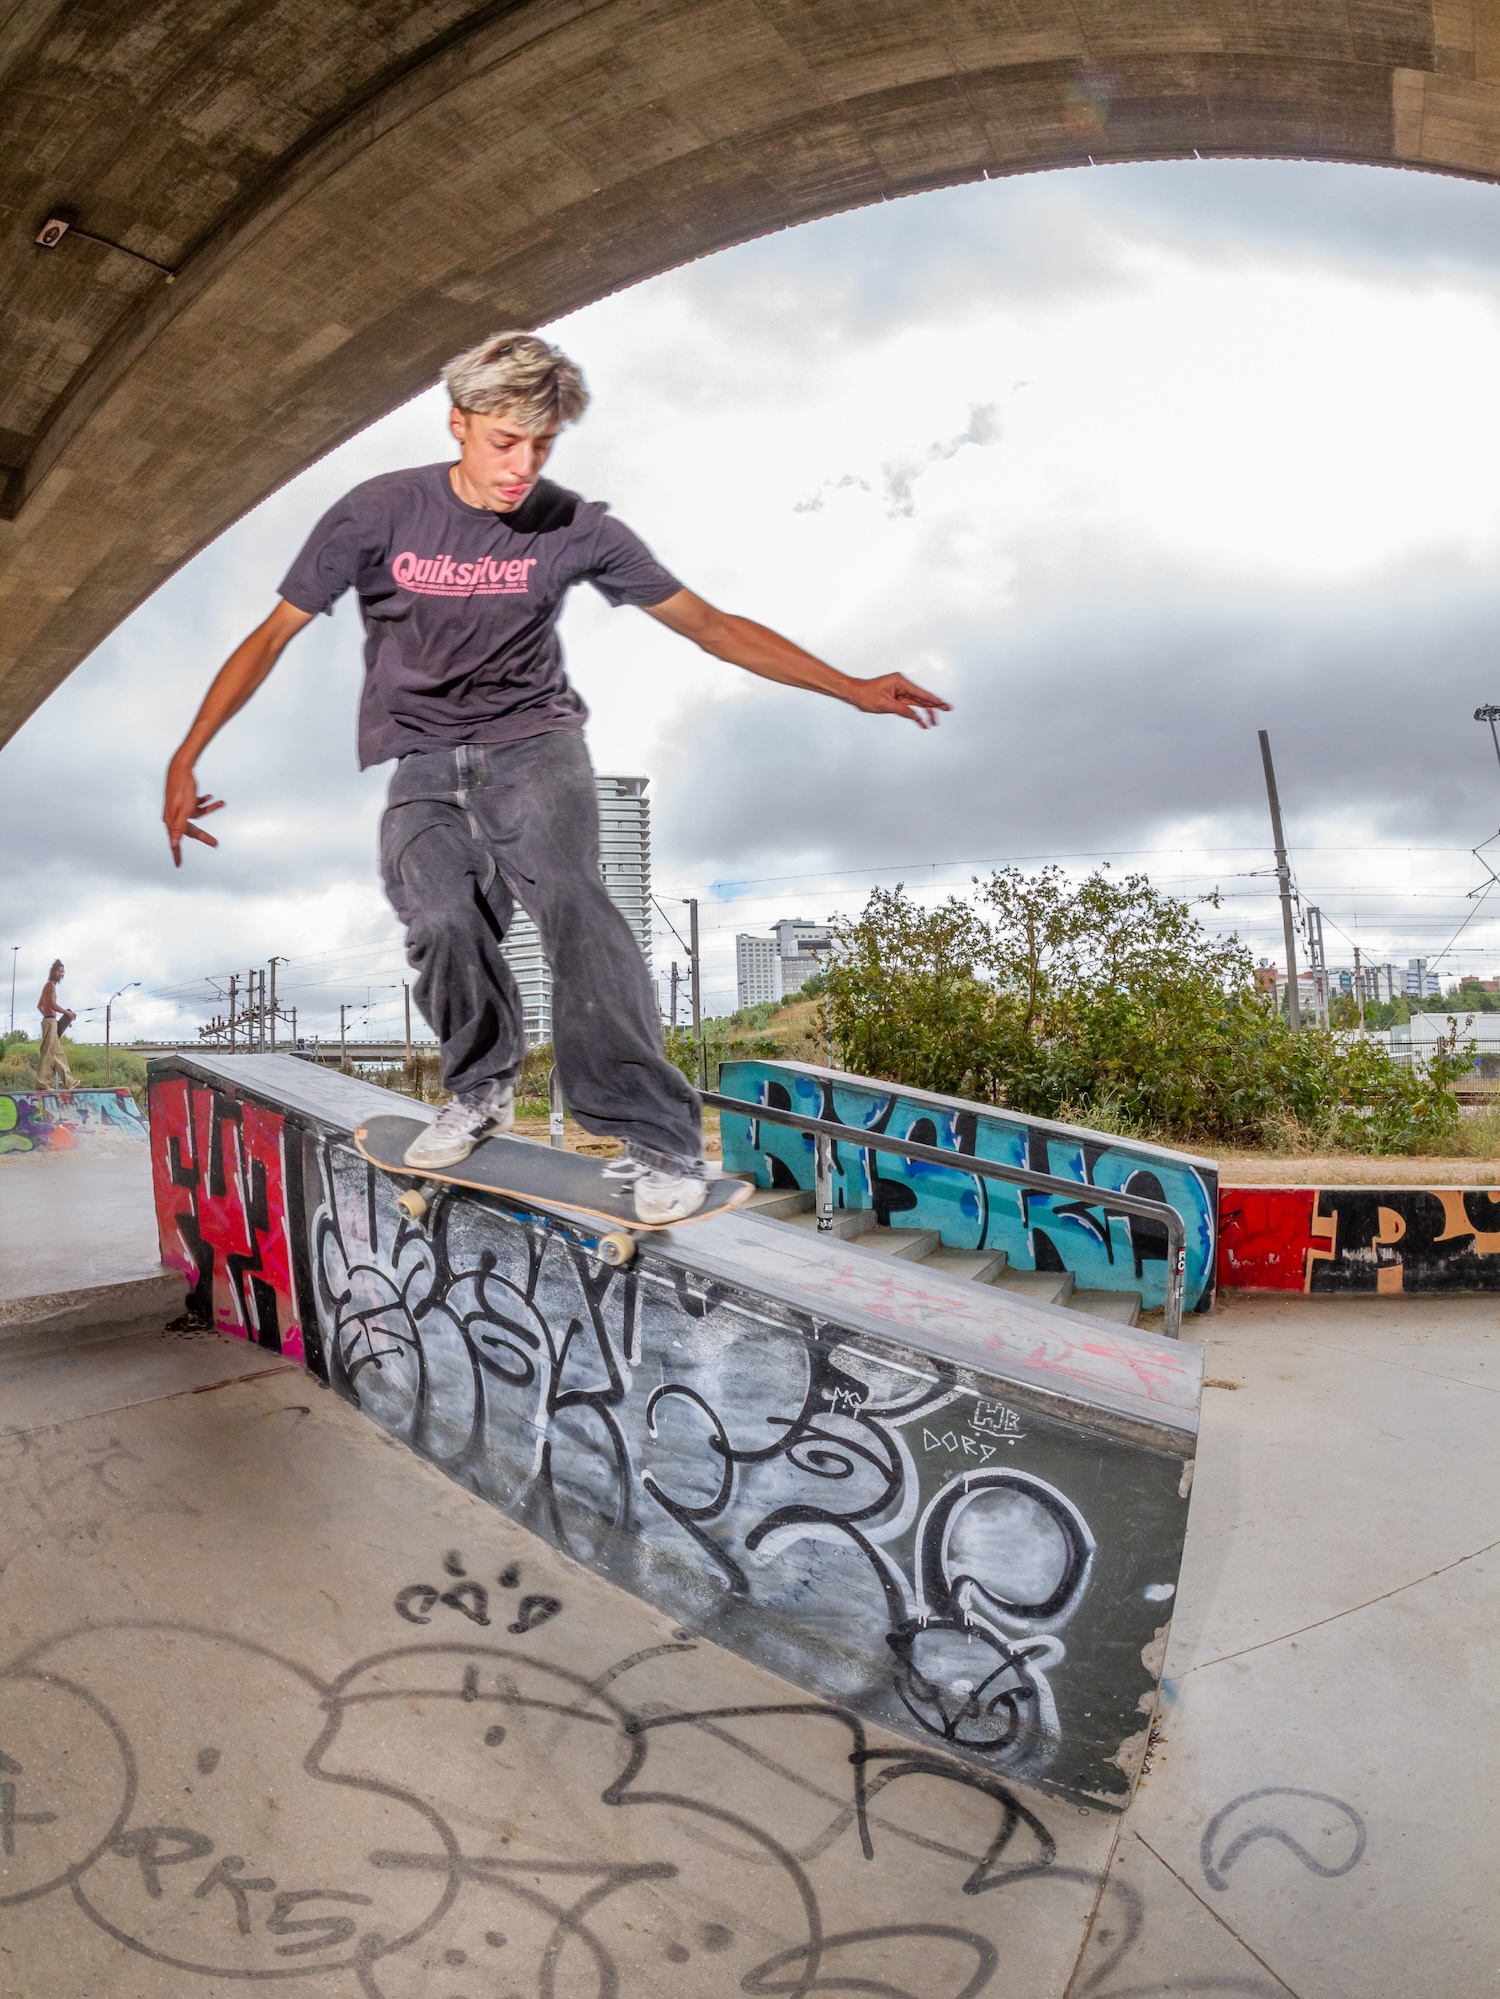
(461, 570)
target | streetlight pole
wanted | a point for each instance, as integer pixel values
(108, 1011)
(14, 953)
(1284, 877)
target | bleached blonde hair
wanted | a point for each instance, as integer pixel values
(518, 375)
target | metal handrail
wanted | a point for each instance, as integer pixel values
(827, 1134)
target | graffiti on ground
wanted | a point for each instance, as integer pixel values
(1328, 1240)
(56, 1120)
(325, 1845)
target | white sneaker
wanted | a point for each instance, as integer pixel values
(460, 1125)
(668, 1196)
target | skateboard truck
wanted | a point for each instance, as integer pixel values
(615, 1248)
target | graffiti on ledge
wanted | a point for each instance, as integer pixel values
(56, 1120)
(221, 1211)
(1036, 1231)
(1329, 1240)
(852, 1514)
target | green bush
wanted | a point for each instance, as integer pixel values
(1106, 1001)
(20, 1055)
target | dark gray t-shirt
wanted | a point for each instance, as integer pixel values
(461, 605)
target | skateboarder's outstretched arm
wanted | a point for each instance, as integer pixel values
(760, 650)
(237, 679)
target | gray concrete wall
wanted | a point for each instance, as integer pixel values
(314, 204)
(952, 1511)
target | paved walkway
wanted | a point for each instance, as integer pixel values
(278, 1701)
(77, 1218)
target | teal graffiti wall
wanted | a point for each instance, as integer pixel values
(1036, 1231)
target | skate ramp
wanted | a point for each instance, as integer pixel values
(955, 1513)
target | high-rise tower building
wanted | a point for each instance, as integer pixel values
(757, 964)
(624, 864)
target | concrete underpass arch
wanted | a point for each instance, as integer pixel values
(345, 191)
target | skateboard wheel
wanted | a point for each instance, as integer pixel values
(412, 1204)
(616, 1248)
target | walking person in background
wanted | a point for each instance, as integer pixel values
(461, 569)
(52, 1069)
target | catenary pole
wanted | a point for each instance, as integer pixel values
(692, 905)
(1284, 877)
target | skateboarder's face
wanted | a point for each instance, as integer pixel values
(499, 460)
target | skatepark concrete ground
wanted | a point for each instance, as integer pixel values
(244, 1688)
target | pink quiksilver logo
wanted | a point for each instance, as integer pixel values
(441, 576)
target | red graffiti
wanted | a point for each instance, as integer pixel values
(218, 1169)
(1269, 1237)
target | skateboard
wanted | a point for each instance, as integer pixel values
(522, 1169)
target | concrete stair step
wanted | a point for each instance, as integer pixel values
(779, 1204)
(979, 1266)
(912, 1245)
(1043, 1287)
(1121, 1308)
(847, 1222)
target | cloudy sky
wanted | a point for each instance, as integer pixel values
(1126, 463)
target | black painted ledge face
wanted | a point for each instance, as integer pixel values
(975, 1557)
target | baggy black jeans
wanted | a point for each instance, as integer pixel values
(470, 832)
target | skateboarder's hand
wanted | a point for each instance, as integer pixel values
(894, 694)
(185, 803)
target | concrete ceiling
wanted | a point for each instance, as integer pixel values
(288, 213)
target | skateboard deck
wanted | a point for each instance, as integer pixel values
(568, 1184)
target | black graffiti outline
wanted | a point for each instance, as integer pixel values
(1214, 1873)
(820, 1443)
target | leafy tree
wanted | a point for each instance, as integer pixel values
(1106, 998)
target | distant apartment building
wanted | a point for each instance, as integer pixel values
(1420, 983)
(757, 966)
(802, 947)
(624, 866)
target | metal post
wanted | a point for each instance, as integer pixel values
(108, 1008)
(1317, 963)
(676, 982)
(234, 986)
(343, 1040)
(1359, 989)
(406, 997)
(824, 1150)
(555, 1111)
(1284, 877)
(294, 1027)
(15, 951)
(1171, 1313)
(697, 991)
(274, 963)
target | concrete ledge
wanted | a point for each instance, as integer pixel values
(127, 1304)
(1040, 1235)
(955, 1512)
(1328, 1241)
